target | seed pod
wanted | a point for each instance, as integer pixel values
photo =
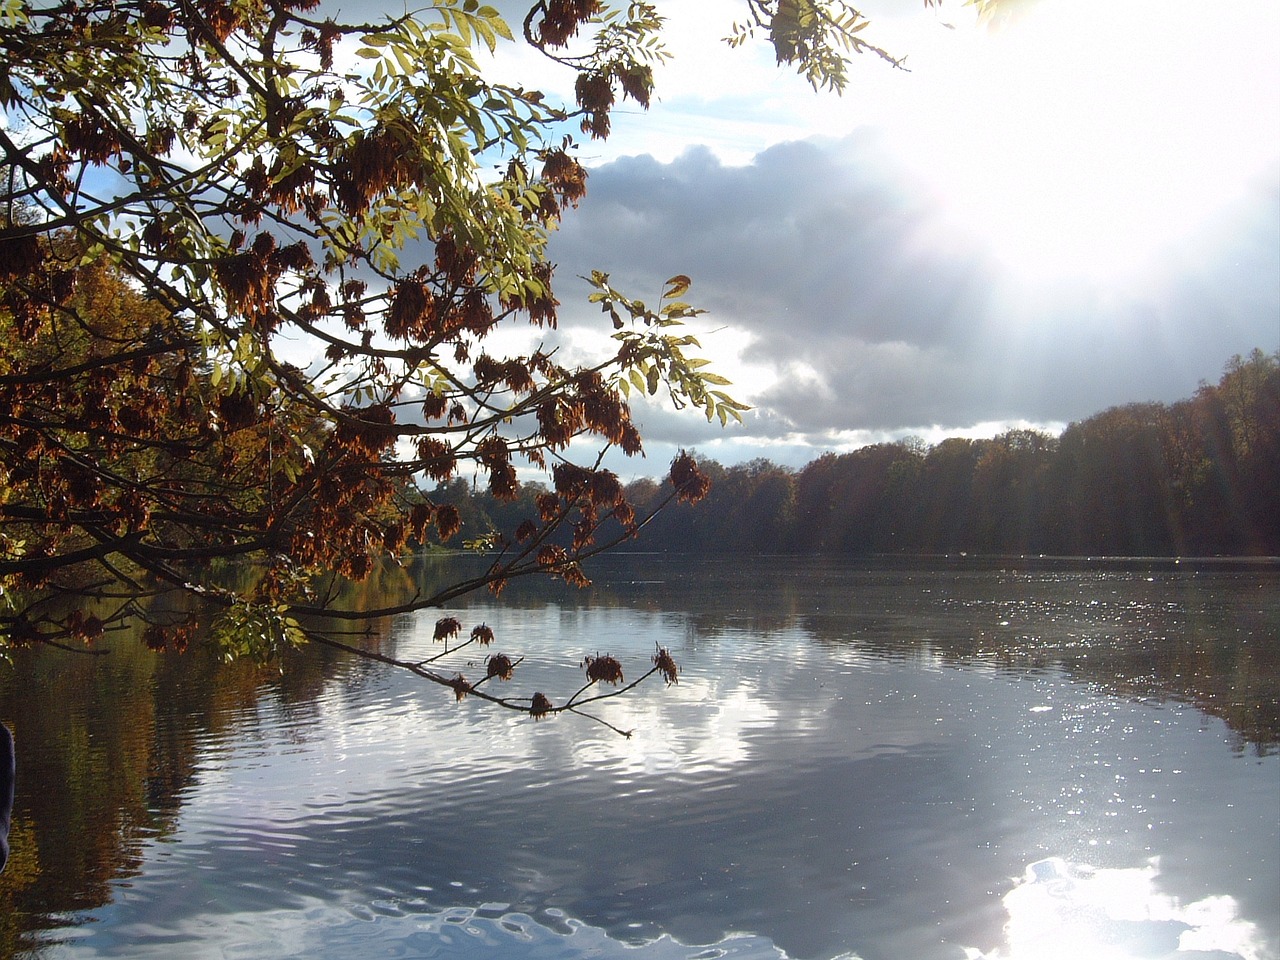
(666, 664)
(460, 686)
(540, 706)
(604, 668)
(499, 665)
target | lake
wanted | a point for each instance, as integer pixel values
(949, 758)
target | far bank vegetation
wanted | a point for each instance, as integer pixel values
(1198, 477)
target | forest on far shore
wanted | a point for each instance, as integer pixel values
(1199, 477)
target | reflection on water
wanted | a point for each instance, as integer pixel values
(1057, 911)
(1062, 911)
(401, 929)
(858, 761)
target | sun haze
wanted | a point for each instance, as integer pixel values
(1086, 138)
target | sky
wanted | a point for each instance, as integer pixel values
(1030, 224)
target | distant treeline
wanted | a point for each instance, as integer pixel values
(1197, 477)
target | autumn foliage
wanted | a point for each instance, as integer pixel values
(1198, 477)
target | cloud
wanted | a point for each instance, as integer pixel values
(817, 231)
(867, 279)
(864, 310)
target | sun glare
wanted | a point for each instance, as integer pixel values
(1087, 137)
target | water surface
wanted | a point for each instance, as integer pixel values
(934, 760)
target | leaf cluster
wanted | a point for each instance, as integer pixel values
(650, 356)
(814, 36)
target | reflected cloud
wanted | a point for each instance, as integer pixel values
(413, 929)
(1062, 911)
(714, 735)
(710, 720)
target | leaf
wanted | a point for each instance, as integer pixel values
(676, 286)
(729, 402)
(496, 23)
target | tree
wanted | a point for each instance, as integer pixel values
(946, 519)
(1231, 458)
(1008, 482)
(189, 189)
(1115, 484)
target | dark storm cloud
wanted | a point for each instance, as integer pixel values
(820, 234)
(877, 318)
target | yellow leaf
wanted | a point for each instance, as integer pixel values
(676, 286)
